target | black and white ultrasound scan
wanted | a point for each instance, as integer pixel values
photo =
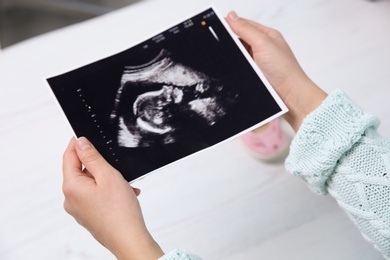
(188, 88)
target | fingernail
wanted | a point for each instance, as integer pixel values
(233, 16)
(83, 143)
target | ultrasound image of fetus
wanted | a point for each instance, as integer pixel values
(157, 100)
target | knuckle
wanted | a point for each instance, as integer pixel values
(243, 24)
(70, 201)
(67, 207)
(275, 33)
(71, 189)
(90, 157)
(67, 189)
(65, 155)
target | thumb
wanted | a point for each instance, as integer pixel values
(249, 31)
(91, 158)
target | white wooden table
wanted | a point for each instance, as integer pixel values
(221, 203)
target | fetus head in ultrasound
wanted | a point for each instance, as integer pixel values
(158, 100)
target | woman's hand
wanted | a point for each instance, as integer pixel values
(276, 60)
(102, 201)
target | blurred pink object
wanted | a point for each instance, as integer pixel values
(267, 142)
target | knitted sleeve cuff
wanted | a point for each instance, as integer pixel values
(324, 137)
(179, 254)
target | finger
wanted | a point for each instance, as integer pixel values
(91, 158)
(71, 164)
(136, 191)
(87, 173)
(236, 21)
(247, 47)
(71, 168)
(250, 32)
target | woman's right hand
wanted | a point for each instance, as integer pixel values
(276, 60)
(103, 202)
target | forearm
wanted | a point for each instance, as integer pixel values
(303, 97)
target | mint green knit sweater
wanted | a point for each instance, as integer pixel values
(337, 150)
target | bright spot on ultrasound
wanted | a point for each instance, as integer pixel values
(155, 99)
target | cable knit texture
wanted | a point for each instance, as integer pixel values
(338, 151)
(179, 254)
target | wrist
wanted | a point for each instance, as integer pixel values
(140, 247)
(303, 98)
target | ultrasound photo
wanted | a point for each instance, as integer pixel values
(187, 88)
(157, 100)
